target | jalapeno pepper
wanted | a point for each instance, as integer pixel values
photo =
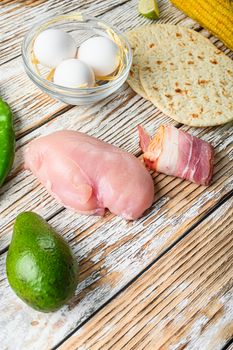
(7, 140)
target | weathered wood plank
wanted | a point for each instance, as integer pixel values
(31, 107)
(108, 121)
(17, 18)
(23, 191)
(112, 251)
(25, 16)
(184, 301)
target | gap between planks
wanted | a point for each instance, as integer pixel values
(18, 197)
(69, 107)
(229, 345)
(48, 215)
(46, 6)
(48, 104)
(73, 315)
(112, 316)
(98, 15)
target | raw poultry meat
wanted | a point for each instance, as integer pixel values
(175, 152)
(89, 175)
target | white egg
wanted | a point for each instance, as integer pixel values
(52, 46)
(100, 53)
(74, 73)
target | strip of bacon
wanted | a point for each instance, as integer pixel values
(177, 153)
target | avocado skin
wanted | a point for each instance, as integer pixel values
(40, 265)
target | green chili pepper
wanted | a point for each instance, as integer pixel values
(7, 140)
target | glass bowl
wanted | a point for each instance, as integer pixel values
(81, 27)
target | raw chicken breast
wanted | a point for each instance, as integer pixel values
(89, 175)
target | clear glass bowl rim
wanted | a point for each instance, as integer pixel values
(73, 91)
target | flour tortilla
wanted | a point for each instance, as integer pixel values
(137, 42)
(184, 75)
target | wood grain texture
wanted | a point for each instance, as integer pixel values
(31, 107)
(25, 16)
(184, 301)
(111, 251)
(23, 192)
(108, 120)
(17, 18)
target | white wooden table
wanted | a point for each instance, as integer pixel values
(162, 282)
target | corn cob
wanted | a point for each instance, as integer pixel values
(214, 15)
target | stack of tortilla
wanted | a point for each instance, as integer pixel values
(182, 73)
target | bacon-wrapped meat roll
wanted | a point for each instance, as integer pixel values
(175, 152)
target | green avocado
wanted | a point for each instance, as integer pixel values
(40, 265)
